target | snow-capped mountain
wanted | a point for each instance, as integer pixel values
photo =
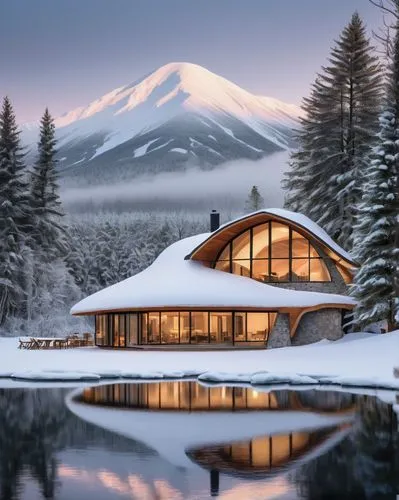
(179, 115)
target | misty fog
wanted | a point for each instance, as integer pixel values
(226, 187)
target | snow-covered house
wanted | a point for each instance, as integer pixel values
(269, 279)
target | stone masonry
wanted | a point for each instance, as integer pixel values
(317, 325)
(280, 334)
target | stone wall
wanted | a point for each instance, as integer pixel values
(280, 334)
(318, 325)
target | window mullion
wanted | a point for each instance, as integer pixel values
(290, 255)
(251, 233)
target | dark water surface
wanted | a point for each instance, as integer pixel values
(182, 440)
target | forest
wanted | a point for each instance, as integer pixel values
(342, 174)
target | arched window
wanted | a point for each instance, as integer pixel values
(273, 252)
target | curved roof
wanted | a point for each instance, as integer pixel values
(173, 282)
(218, 239)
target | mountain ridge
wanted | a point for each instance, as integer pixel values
(180, 114)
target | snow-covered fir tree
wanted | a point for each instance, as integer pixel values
(15, 214)
(48, 233)
(376, 233)
(254, 201)
(48, 279)
(337, 131)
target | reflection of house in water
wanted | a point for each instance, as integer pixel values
(229, 430)
(192, 396)
(264, 456)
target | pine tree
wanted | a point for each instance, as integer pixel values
(48, 231)
(254, 201)
(376, 232)
(336, 135)
(15, 218)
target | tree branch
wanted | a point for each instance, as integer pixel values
(382, 4)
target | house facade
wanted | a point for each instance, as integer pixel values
(272, 278)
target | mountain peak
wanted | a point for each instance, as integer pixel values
(178, 99)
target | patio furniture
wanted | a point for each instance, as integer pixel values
(73, 340)
(88, 339)
(24, 343)
(60, 343)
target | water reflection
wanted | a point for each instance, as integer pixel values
(263, 455)
(366, 463)
(233, 442)
(190, 396)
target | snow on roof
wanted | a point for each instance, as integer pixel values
(173, 282)
(299, 220)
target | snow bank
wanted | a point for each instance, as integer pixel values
(365, 361)
(55, 375)
(267, 378)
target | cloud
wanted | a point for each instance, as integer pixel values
(225, 186)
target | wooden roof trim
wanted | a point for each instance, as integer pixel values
(290, 310)
(254, 219)
(296, 314)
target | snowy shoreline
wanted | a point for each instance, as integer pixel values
(357, 360)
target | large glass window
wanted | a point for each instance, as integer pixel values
(144, 328)
(170, 328)
(182, 327)
(240, 327)
(101, 329)
(221, 327)
(300, 270)
(280, 244)
(131, 330)
(273, 252)
(199, 327)
(241, 246)
(153, 328)
(260, 242)
(119, 330)
(257, 327)
(242, 267)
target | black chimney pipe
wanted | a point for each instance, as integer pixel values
(214, 483)
(215, 220)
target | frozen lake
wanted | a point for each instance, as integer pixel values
(186, 440)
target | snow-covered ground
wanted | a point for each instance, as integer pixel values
(357, 360)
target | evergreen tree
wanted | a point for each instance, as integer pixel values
(254, 201)
(376, 232)
(14, 214)
(337, 132)
(48, 231)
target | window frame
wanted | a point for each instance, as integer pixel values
(269, 258)
(109, 322)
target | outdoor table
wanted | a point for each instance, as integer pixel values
(45, 342)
